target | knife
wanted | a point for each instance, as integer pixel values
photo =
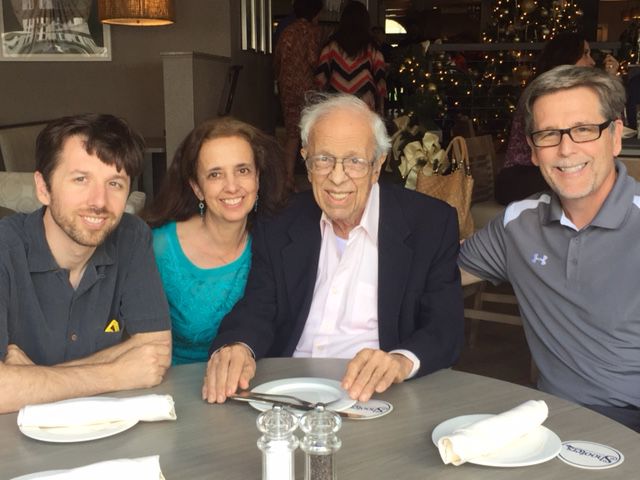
(292, 405)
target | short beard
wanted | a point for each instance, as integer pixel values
(78, 235)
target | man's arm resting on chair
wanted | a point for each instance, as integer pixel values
(468, 278)
(140, 365)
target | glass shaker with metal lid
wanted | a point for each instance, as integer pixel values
(278, 443)
(320, 443)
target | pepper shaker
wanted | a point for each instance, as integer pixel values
(278, 443)
(320, 443)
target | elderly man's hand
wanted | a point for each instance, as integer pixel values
(374, 371)
(228, 368)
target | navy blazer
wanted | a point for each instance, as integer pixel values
(420, 304)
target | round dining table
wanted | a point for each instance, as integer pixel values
(219, 441)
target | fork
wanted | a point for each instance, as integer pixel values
(273, 397)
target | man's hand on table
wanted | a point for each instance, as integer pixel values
(230, 367)
(374, 371)
(15, 356)
(143, 366)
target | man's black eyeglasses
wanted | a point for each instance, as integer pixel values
(578, 134)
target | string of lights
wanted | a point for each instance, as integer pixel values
(437, 87)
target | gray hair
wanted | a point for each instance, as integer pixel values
(609, 89)
(321, 104)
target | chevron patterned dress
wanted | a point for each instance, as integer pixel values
(363, 76)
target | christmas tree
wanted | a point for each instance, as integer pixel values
(629, 52)
(531, 20)
(438, 86)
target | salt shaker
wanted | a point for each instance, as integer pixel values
(320, 443)
(278, 443)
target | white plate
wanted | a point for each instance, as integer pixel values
(310, 389)
(79, 433)
(538, 446)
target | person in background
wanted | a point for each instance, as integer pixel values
(380, 39)
(351, 63)
(353, 269)
(572, 253)
(633, 99)
(519, 178)
(283, 23)
(223, 173)
(295, 58)
(82, 311)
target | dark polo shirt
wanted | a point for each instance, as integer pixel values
(120, 293)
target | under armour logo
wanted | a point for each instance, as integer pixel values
(541, 259)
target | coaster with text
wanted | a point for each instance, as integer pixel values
(590, 455)
(370, 409)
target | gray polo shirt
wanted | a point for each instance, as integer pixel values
(578, 291)
(40, 311)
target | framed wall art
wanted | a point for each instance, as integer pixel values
(52, 30)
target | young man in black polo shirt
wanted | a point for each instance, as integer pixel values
(82, 310)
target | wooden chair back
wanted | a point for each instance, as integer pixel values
(482, 157)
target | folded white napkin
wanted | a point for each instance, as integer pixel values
(144, 468)
(493, 433)
(94, 410)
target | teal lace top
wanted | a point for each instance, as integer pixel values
(198, 297)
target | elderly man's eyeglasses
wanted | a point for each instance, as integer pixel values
(354, 167)
(578, 134)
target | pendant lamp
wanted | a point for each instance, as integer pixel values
(140, 13)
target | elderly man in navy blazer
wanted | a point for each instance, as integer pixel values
(355, 270)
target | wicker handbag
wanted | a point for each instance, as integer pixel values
(451, 181)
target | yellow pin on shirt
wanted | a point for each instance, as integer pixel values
(113, 326)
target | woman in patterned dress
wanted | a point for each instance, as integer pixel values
(351, 63)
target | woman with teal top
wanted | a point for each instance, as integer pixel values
(201, 221)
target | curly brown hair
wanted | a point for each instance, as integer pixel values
(176, 200)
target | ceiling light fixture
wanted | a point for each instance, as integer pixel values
(138, 13)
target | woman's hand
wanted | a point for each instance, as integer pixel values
(611, 65)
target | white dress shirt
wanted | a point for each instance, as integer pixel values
(343, 318)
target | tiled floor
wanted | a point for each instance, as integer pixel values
(500, 351)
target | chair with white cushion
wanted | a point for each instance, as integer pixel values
(18, 147)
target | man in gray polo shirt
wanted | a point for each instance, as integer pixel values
(573, 254)
(82, 310)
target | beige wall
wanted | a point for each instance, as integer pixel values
(130, 85)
